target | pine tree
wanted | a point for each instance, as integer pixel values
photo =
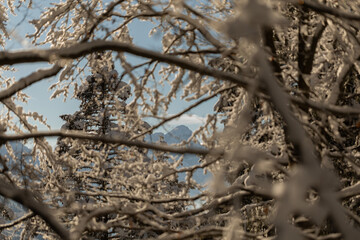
(106, 168)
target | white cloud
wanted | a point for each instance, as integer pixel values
(188, 119)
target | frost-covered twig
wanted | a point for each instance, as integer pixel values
(105, 15)
(136, 198)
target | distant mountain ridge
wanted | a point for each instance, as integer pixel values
(175, 136)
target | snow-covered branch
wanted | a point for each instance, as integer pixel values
(321, 8)
(29, 80)
(277, 156)
(107, 139)
(81, 49)
(26, 198)
(17, 221)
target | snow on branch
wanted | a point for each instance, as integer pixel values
(29, 80)
(106, 139)
(17, 221)
(320, 8)
(310, 168)
(27, 199)
(81, 49)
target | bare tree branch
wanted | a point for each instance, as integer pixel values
(351, 191)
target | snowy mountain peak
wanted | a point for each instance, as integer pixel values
(181, 129)
(178, 134)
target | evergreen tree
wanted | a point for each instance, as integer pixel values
(95, 170)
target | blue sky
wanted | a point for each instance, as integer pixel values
(51, 109)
